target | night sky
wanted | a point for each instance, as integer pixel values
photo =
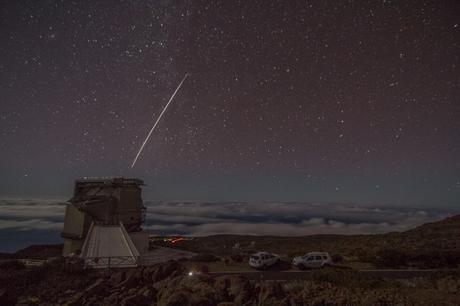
(334, 101)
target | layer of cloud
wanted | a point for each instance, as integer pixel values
(24, 222)
(281, 219)
(32, 224)
(21, 219)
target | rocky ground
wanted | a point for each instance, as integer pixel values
(64, 283)
(35, 252)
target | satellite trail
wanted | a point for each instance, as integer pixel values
(158, 120)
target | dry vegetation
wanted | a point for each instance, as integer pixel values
(435, 245)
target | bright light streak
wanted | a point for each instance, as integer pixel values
(158, 120)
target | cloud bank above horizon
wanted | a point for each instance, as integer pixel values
(281, 218)
(24, 222)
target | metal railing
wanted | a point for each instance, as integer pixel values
(111, 262)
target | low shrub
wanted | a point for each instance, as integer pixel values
(338, 277)
(391, 258)
(347, 278)
(364, 255)
(205, 258)
(237, 258)
(436, 259)
(428, 259)
(336, 258)
(11, 265)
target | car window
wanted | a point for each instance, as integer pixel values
(318, 257)
(324, 257)
(254, 257)
(310, 258)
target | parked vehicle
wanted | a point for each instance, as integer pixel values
(262, 260)
(312, 260)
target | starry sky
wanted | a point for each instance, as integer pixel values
(333, 101)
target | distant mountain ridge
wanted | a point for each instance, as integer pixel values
(443, 235)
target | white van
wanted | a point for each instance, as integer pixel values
(312, 260)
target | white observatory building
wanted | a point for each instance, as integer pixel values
(103, 222)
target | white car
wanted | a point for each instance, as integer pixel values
(262, 260)
(312, 260)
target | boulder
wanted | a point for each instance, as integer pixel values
(135, 299)
(7, 297)
(75, 299)
(204, 294)
(133, 279)
(448, 284)
(169, 269)
(167, 287)
(178, 298)
(98, 288)
(116, 278)
(272, 293)
(241, 289)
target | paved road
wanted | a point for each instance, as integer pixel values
(291, 275)
(163, 254)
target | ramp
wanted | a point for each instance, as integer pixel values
(108, 246)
